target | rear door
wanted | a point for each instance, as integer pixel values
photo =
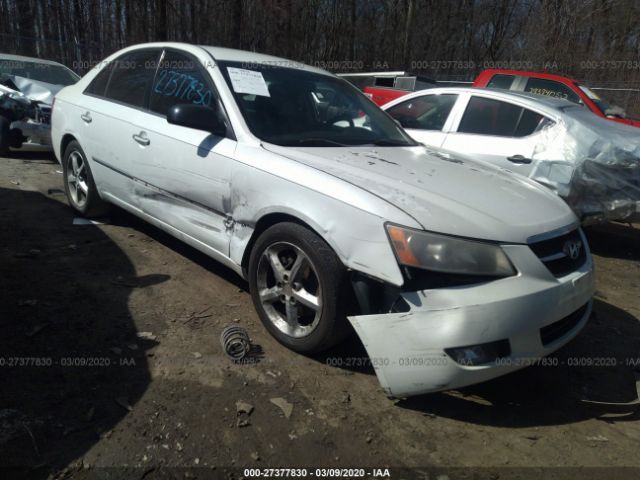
(499, 132)
(425, 117)
(113, 101)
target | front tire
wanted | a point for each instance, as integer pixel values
(79, 185)
(299, 288)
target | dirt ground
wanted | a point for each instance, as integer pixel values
(158, 396)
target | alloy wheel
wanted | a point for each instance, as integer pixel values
(289, 289)
(77, 179)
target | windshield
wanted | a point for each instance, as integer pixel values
(294, 107)
(42, 72)
(601, 103)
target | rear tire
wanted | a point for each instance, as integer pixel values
(79, 185)
(299, 288)
(5, 139)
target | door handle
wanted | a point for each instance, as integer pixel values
(519, 159)
(142, 138)
(86, 117)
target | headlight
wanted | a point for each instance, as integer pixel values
(441, 253)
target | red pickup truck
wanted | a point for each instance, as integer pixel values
(553, 86)
(382, 87)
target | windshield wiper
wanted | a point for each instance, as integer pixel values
(390, 143)
(308, 141)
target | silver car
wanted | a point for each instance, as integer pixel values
(27, 88)
(450, 271)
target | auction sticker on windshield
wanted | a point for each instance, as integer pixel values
(248, 81)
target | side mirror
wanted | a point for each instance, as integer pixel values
(199, 117)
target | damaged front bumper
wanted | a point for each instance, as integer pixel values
(30, 116)
(34, 134)
(452, 337)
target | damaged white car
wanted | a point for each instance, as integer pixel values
(27, 88)
(591, 162)
(451, 272)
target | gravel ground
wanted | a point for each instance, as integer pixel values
(120, 325)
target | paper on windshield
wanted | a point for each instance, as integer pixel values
(248, 81)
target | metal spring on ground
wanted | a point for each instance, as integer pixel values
(235, 342)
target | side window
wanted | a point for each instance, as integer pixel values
(501, 81)
(485, 116)
(551, 88)
(99, 84)
(530, 122)
(132, 76)
(429, 112)
(180, 79)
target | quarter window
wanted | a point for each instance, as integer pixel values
(180, 79)
(99, 84)
(485, 116)
(429, 112)
(530, 122)
(132, 77)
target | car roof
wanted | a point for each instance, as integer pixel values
(230, 55)
(527, 73)
(233, 55)
(550, 103)
(20, 58)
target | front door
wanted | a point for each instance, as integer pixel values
(185, 174)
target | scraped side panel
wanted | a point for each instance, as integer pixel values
(276, 185)
(594, 164)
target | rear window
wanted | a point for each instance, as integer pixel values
(41, 72)
(551, 88)
(385, 82)
(501, 81)
(485, 116)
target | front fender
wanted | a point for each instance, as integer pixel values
(358, 237)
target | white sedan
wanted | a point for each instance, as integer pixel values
(592, 163)
(450, 271)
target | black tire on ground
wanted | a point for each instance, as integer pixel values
(335, 289)
(89, 203)
(4, 136)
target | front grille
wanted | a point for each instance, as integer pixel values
(562, 255)
(552, 332)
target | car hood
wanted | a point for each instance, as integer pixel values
(444, 192)
(34, 89)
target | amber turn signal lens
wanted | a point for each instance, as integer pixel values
(400, 239)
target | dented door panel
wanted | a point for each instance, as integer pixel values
(182, 177)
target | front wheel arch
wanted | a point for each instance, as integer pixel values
(269, 220)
